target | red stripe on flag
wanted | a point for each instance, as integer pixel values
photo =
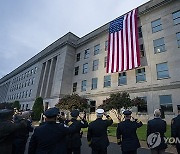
(127, 43)
(132, 49)
(107, 67)
(112, 68)
(117, 68)
(122, 51)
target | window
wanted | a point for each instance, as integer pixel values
(30, 91)
(83, 85)
(78, 57)
(159, 45)
(140, 75)
(106, 45)
(141, 47)
(166, 103)
(92, 106)
(162, 71)
(85, 68)
(86, 53)
(94, 83)
(29, 81)
(176, 17)
(122, 79)
(140, 32)
(26, 93)
(105, 61)
(33, 79)
(35, 70)
(95, 65)
(96, 49)
(32, 71)
(107, 81)
(76, 70)
(27, 107)
(178, 39)
(156, 25)
(143, 108)
(74, 87)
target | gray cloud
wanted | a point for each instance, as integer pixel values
(27, 27)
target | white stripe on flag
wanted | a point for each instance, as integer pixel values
(124, 43)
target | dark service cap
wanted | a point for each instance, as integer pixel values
(51, 112)
(127, 112)
(4, 113)
(75, 113)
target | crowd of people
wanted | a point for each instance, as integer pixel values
(59, 135)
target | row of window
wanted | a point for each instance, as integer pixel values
(23, 85)
(25, 75)
(24, 94)
(157, 26)
(162, 72)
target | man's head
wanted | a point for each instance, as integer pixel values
(127, 114)
(75, 113)
(178, 107)
(157, 113)
(99, 113)
(6, 114)
(51, 114)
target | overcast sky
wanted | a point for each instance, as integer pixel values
(29, 26)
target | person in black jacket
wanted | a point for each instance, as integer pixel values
(156, 128)
(50, 138)
(7, 130)
(126, 134)
(97, 133)
(175, 129)
(74, 139)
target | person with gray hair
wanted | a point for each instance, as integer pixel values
(156, 128)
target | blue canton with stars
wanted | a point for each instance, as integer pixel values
(116, 25)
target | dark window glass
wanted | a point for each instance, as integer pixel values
(142, 50)
(106, 45)
(94, 83)
(78, 57)
(176, 17)
(166, 103)
(140, 75)
(96, 49)
(74, 87)
(159, 45)
(143, 108)
(140, 32)
(178, 39)
(76, 70)
(156, 25)
(107, 81)
(83, 85)
(122, 80)
(162, 70)
(105, 61)
(95, 64)
(85, 68)
(86, 53)
(92, 106)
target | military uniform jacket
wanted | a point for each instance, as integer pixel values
(175, 128)
(157, 125)
(74, 139)
(126, 132)
(97, 133)
(7, 130)
(49, 138)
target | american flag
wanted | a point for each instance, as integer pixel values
(123, 48)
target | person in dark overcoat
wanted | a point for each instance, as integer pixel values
(126, 134)
(50, 138)
(74, 139)
(97, 133)
(7, 130)
(175, 129)
(157, 128)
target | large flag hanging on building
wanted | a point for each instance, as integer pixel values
(123, 47)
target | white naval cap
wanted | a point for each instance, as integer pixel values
(99, 111)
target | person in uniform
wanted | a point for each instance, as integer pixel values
(21, 136)
(50, 138)
(175, 129)
(157, 126)
(126, 134)
(74, 139)
(97, 133)
(7, 130)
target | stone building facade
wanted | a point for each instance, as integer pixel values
(72, 64)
